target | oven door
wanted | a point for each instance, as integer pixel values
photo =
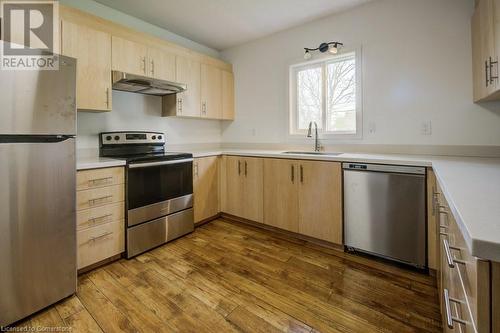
(156, 189)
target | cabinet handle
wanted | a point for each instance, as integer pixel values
(107, 98)
(92, 202)
(486, 72)
(152, 67)
(93, 239)
(301, 174)
(100, 181)
(292, 174)
(449, 258)
(103, 218)
(493, 78)
(239, 167)
(143, 59)
(447, 304)
(246, 168)
(196, 169)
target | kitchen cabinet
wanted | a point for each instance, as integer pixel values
(320, 200)
(129, 57)
(161, 64)
(211, 92)
(242, 187)
(485, 25)
(281, 198)
(304, 197)
(206, 188)
(100, 205)
(92, 49)
(188, 71)
(227, 95)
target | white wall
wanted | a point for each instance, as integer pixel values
(143, 113)
(416, 67)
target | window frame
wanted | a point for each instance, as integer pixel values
(323, 61)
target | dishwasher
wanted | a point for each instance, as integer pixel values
(385, 212)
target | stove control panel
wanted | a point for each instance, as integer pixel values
(114, 138)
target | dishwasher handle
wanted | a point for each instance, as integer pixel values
(384, 168)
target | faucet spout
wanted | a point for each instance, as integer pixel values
(317, 146)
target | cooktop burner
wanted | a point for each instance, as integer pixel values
(137, 147)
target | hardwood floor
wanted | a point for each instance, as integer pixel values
(230, 277)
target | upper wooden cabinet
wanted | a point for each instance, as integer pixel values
(242, 187)
(227, 95)
(188, 71)
(304, 197)
(485, 26)
(92, 49)
(161, 64)
(129, 56)
(211, 92)
(206, 188)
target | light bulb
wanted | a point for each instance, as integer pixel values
(333, 49)
(307, 55)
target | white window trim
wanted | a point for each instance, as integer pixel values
(293, 134)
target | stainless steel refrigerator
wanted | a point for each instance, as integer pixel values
(37, 189)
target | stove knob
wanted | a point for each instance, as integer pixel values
(117, 137)
(153, 137)
(108, 138)
(159, 137)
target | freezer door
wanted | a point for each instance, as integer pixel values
(39, 102)
(37, 226)
(385, 215)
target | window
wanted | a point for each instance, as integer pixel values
(328, 92)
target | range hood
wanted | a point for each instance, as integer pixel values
(145, 85)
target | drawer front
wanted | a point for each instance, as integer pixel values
(88, 179)
(101, 242)
(99, 197)
(92, 217)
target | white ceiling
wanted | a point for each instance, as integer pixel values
(221, 24)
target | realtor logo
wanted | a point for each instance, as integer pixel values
(30, 35)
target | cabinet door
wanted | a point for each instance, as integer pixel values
(281, 200)
(189, 72)
(253, 181)
(161, 64)
(234, 199)
(227, 95)
(211, 92)
(432, 221)
(206, 188)
(92, 49)
(320, 200)
(128, 56)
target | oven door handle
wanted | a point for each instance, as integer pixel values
(151, 164)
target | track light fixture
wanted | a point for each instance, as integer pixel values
(332, 47)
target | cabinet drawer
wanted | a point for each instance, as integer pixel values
(88, 179)
(101, 242)
(99, 197)
(96, 216)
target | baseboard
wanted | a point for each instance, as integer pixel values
(100, 263)
(207, 220)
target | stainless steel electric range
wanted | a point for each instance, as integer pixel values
(159, 188)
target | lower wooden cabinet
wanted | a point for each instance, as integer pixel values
(242, 187)
(304, 197)
(206, 187)
(100, 204)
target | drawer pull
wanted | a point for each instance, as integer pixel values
(96, 238)
(96, 201)
(103, 218)
(100, 181)
(449, 258)
(447, 303)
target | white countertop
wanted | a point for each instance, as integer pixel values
(471, 187)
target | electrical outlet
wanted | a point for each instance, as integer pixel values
(426, 127)
(253, 131)
(372, 127)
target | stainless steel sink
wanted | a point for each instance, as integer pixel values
(311, 153)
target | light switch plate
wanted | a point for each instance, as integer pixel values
(426, 127)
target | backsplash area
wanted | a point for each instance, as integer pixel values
(143, 113)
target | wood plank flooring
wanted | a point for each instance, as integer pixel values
(230, 277)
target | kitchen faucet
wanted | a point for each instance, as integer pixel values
(317, 145)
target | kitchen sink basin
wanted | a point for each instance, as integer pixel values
(311, 153)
